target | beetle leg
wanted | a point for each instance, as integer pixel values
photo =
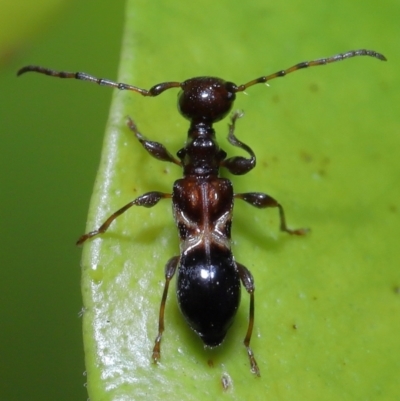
(248, 282)
(261, 200)
(156, 149)
(238, 165)
(148, 199)
(170, 269)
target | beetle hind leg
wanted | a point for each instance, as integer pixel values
(170, 269)
(248, 282)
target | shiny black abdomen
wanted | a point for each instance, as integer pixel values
(208, 290)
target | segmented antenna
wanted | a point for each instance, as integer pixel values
(159, 88)
(314, 63)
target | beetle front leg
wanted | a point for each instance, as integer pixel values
(147, 200)
(238, 165)
(261, 200)
(155, 149)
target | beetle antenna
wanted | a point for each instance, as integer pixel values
(154, 91)
(306, 64)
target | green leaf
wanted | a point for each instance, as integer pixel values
(327, 305)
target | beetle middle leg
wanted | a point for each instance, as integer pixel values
(148, 199)
(248, 283)
(261, 200)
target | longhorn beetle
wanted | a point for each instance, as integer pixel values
(208, 283)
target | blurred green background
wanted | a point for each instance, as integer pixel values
(51, 136)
